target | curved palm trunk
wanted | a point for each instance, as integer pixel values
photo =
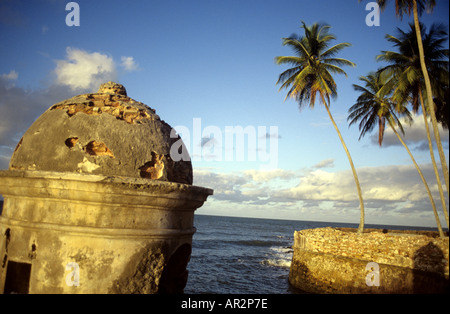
(355, 175)
(436, 172)
(430, 96)
(436, 215)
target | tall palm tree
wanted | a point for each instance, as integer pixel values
(404, 68)
(311, 76)
(417, 7)
(374, 107)
(405, 62)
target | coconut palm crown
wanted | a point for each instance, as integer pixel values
(404, 64)
(313, 65)
(374, 107)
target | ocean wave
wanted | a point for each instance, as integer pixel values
(267, 243)
(279, 256)
(277, 262)
(282, 249)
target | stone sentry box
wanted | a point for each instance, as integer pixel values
(93, 203)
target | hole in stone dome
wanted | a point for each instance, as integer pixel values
(153, 169)
(18, 145)
(95, 148)
(71, 141)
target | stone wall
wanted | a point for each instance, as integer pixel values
(79, 233)
(334, 260)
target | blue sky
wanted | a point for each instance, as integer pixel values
(214, 60)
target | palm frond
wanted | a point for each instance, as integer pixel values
(335, 69)
(289, 60)
(287, 75)
(330, 52)
(404, 65)
(313, 65)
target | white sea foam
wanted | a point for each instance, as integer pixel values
(281, 257)
(277, 262)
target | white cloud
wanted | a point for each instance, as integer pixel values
(415, 134)
(389, 183)
(323, 186)
(12, 75)
(392, 194)
(79, 72)
(269, 175)
(82, 70)
(7, 82)
(128, 63)
(327, 163)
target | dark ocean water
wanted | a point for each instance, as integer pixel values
(245, 255)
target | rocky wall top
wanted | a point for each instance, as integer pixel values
(106, 133)
(412, 250)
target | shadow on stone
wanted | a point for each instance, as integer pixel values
(429, 270)
(175, 274)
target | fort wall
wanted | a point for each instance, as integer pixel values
(338, 260)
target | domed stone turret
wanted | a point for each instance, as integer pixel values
(105, 133)
(93, 202)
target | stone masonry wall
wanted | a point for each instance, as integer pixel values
(334, 260)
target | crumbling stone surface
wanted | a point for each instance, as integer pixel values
(153, 169)
(112, 88)
(404, 249)
(334, 260)
(95, 148)
(105, 133)
(119, 106)
(144, 277)
(71, 141)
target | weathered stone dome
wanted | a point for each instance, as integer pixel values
(105, 133)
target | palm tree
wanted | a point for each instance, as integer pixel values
(405, 62)
(311, 75)
(374, 107)
(404, 67)
(417, 7)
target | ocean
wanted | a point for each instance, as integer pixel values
(233, 255)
